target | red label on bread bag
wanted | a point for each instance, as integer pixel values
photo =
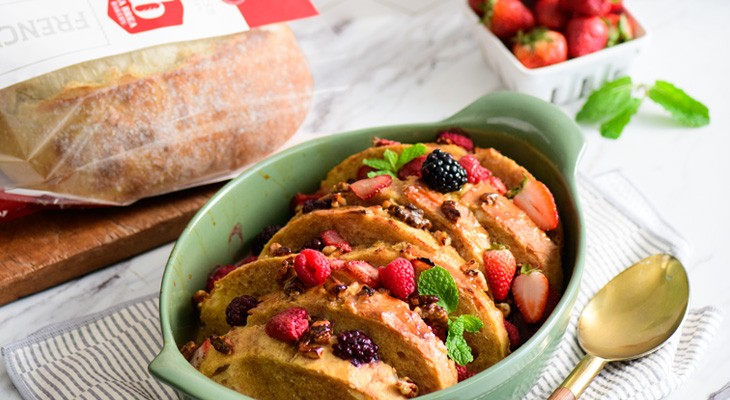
(262, 12)
(136, 16)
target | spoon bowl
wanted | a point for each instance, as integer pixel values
(630, 317)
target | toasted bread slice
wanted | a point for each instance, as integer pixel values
(268, 369)
(347, 169)
(509, 225)
(467, 235)
(405, 341)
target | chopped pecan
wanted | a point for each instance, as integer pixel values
(433, 314)
(442, 238)
(505, 308)
(366, 291)
(199, 297)
(188, 350)
(277, 250)
(293, 287)
(417, 300)
(471, 272)
(489, 198)
(411, 215)
(448, 207)
(222, 344)
(320, 331)
(337, 289)
(309, 350)
(407, 387)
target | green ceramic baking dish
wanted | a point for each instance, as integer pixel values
(534, 133)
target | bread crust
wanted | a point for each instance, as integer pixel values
(195, 113)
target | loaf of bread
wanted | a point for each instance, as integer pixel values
(157, 120)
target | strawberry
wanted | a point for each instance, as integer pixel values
(362, 172)
(617, 6)
(499, 268)
(363, 272)
(365, 189)
(586, 35)
(497, 184)
(332, 238)
(378, 142)
(200, 353)
(288, 325)
(549, 14)
(463, 373)
(540, 48)
(513, 334)
(506, 17)
(588, 8)
(530, 293)
(300, 198)
(398, 277)
(552, 301)
(620, 29)
(478, 6)
(412, 168)
(475, 173)
(535, 199)
(455, 136)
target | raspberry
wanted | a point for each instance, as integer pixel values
(475, 173)
(455, 136)
(238, 308)
(289, 325)
(312, 267)
(218, 273)
(463, 372)
(514, 335)
(413, 167)
(442, 173)
(399, 278)
(378, 142)
(260, 240)
(355, 346)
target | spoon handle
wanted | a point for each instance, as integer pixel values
(578, 380)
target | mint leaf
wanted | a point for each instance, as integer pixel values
(471, 323)
(683, 108)
(606, 101)
(411, 152)
(439, 282)
(377, 163)
(456, 346)
(373, 174)
(613, 127)
(392, 158)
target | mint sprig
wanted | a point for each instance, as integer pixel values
(613, 105)
(392, 162)
(438, 282)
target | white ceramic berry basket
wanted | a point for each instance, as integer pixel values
(559, 83)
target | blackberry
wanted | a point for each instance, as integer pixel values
(237, 310)
(258, 242)
(314, 244)
(442, 172)
(355, 346)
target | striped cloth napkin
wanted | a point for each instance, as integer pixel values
(105, 356)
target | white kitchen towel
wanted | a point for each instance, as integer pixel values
(105, 356)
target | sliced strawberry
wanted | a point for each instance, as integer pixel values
(456, 136)
(365, 189)
(535, 199)
(300, 198)
(378, 142)
(475, 173)
(513, 334)
(200, 353)
(218, 273)
(412, 168)
(333, 238)
(530, 292)
(363, 272)
(499, 268)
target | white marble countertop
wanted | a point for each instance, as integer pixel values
(393, 61)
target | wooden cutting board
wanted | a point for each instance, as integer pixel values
(51, 247)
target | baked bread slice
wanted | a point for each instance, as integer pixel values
(348, 168)
(155, 120)
(405, 341)
(268, 369)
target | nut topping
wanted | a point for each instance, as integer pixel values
(188, 350)
(489, 198)
(407, 387)
(411, 215)
(448, 207)
(222, 344)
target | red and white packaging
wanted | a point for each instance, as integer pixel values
(110, 101)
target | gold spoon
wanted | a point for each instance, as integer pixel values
(630, 317)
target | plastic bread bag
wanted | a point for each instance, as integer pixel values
(150, 121)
